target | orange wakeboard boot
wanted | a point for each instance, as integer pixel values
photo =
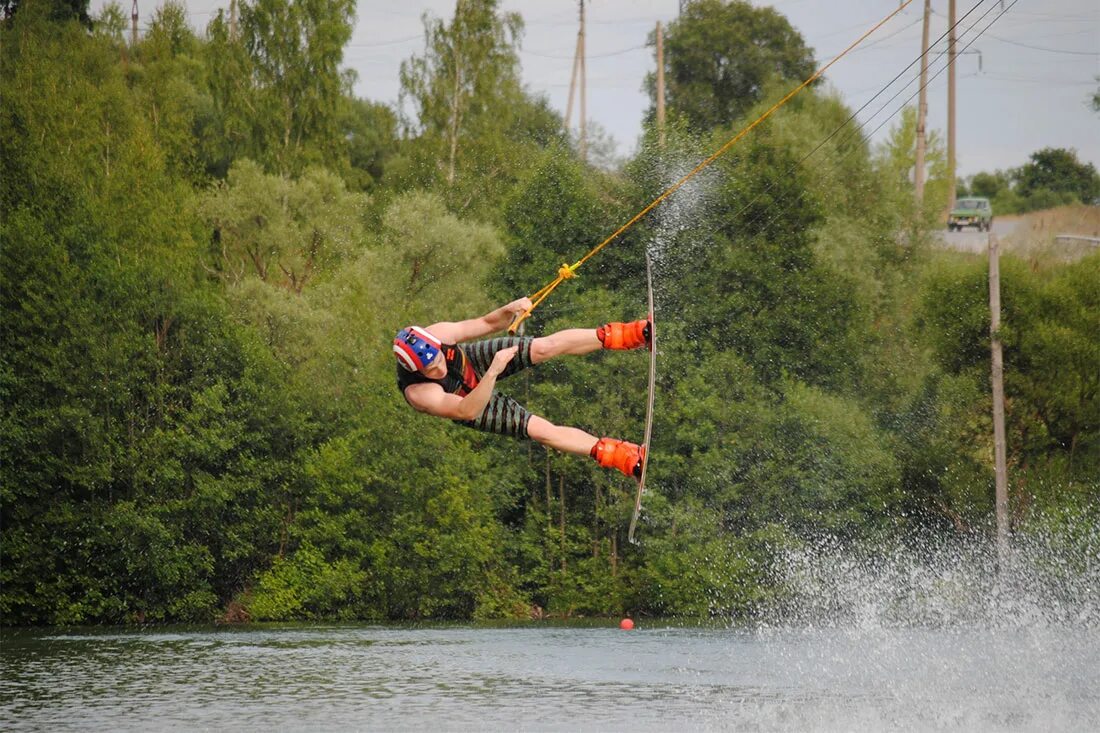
(624, 336)
(619, 454)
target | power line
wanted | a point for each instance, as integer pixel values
(912, 63)
(588, 56)
(860, 127)
(1040, 48)
(970, 43)
(847, 29)
(385, 43)
(1056, 16)
(880, 41)
(1048, 50)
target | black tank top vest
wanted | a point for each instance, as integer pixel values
(461, 376)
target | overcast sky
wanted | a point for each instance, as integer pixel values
(1028, 88)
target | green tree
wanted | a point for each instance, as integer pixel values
(148, 439)
(1058, 170)
(720, 56)
(123, 426)
(56, 10)
(226, 131)
(425, 252)
(112, 25)
(371, 132)
(897, 158)
(306, 586)
(549, 217)
(809, 460)
(170, 80)
(277, 94)
(990, 185)
(476, 129)
(467, 64)
(296, 50)
(772, 298)
(281, 230)
(1051, 382)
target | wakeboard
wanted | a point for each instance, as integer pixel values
(649, 402)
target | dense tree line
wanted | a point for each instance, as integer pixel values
(207, 244)
(1051, 177)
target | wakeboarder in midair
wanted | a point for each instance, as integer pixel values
(443, 371)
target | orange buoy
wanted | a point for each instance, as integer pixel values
(626, 624)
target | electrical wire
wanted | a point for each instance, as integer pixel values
(844, 156)
(395, 42)
(1067, 52)
(587, 56)
(855, 131)
(880, 41)
(938, 56)
(567, 271)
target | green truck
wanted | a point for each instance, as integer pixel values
(971, 212)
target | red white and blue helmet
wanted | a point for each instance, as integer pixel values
(415, 348)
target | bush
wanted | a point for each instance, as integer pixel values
(306, 586)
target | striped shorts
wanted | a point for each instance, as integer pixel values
(503, 415)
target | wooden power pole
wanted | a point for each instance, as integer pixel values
(133, 25)
(922, 107)
(951, 175)
(578, 71)
(584, 93)
(660, 86)
(573, 83)
(997, 373)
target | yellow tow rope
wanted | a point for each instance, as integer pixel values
(567, 271)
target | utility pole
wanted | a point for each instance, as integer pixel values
(578, 70)
(233, 19)
(660, 86)
(133, 25)
(997, 358)
(922, 107)
(573, 83)
(584, 93)
(951, 54)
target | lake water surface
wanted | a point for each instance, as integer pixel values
(542, 676)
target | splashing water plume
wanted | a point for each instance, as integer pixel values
(1041, 581)
(671, 248)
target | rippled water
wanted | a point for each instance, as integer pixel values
(551, 677)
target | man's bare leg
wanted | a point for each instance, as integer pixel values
(608, 452)
(574, 341)
(577, 341)
(560, 437)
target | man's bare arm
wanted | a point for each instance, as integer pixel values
(431, 398)
(453, 332)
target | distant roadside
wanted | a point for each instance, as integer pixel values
(1036, 233)
(1052, 178)
(1033, 236)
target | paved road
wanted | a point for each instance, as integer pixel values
(971, 240)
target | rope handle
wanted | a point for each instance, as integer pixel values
(565, 272)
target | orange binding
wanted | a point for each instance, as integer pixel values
(619, 454)
(624, 336)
